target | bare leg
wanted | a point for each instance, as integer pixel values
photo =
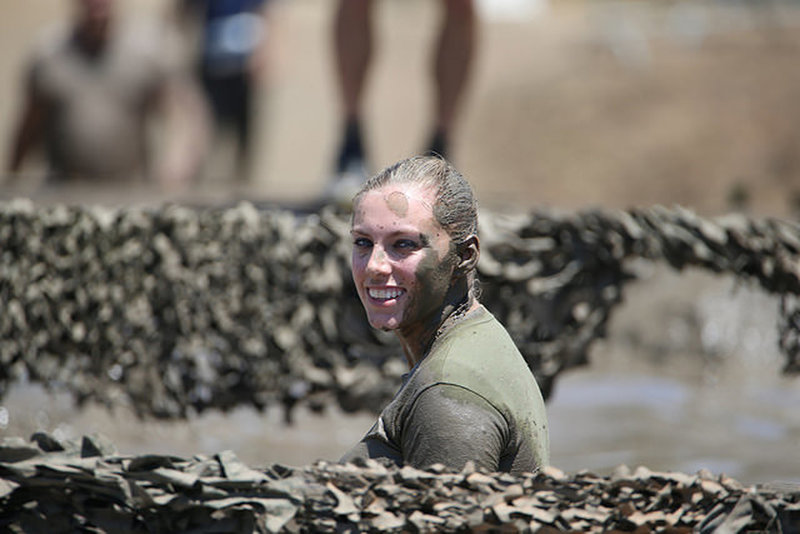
(452, 66)
(353, 46)
(353, 42)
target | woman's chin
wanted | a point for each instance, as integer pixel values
(387, 325)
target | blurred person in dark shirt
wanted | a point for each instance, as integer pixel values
(231, 60)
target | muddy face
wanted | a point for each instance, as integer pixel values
(434, 276)
(403, 260)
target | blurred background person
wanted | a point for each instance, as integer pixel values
(231, 59)
(91, 91)
(452, 59)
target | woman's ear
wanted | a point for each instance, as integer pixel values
(468, 253)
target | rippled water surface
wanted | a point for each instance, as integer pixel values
(688, 379)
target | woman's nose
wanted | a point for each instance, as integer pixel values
(378, 262)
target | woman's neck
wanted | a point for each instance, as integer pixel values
(417, 341)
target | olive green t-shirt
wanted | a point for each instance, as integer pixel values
(472, 397)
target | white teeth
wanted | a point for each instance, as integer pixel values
(385, 294)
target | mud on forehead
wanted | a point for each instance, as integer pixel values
(397, 201)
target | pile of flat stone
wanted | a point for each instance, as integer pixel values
(47, 485)
(176, 309)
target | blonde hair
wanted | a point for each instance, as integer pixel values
(455, 207)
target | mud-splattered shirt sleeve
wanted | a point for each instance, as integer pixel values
(451, 425)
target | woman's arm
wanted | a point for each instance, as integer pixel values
(451, 425)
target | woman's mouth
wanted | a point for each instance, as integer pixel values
(384, 293)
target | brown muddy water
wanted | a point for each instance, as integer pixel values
(688, 379)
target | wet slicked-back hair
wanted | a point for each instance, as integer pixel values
(455, 207)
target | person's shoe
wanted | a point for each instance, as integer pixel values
(351, 151)
(345, 184)
(351, 169)
(438, 144)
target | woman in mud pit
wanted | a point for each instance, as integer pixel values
(469, 395)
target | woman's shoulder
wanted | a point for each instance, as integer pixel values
(474, 339)
(478, 354)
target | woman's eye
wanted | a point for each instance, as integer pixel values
(362, 242)
(406, 244)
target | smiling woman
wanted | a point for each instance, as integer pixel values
(469, 395)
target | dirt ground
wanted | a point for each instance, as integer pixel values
(575, 105)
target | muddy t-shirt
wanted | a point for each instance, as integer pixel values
(472, 397)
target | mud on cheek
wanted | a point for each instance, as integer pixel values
(433, 277)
